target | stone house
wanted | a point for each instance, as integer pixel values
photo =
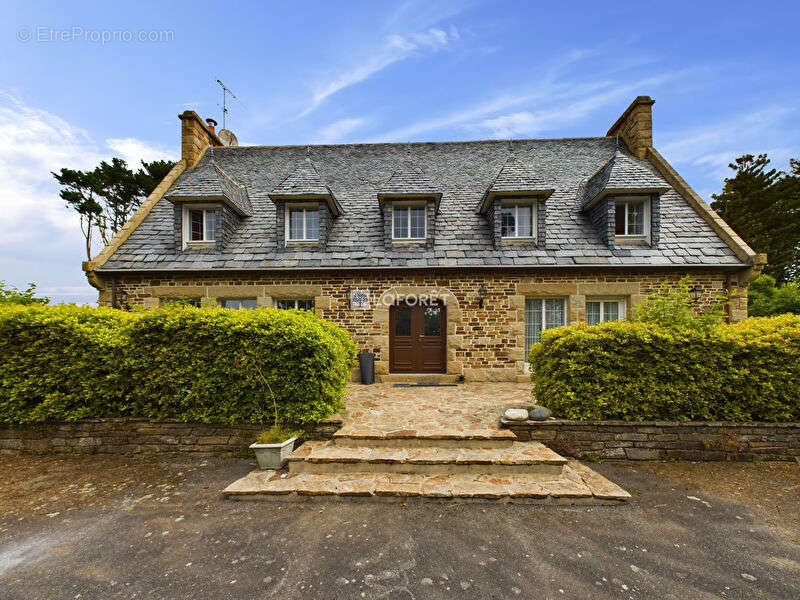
(444, 259)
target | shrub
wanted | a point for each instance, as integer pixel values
(13, 295)
(673, 307)
(67, 363)
(636, 371)
(765, 298)
(59, 362)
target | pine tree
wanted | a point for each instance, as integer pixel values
(762, 205)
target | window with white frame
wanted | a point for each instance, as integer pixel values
(199, 224)
(302, 223)
(518, 220)
(541, 314)
(632, 217)
(239, 303)
(295, 304)
(600, 310)
(408, 222)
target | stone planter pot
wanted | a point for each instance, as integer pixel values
(273, 456)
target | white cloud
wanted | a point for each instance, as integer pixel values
(340, 129)
(718, 143)
(41, 238)
(555, 102)
(395, 49)
(530, 123)
(134, 151)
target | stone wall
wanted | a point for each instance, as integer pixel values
(121, 436)
(484, 343)
(654, 440)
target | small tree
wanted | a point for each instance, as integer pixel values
(12, 295)
(674, 307)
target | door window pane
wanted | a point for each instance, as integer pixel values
(508, 223)
(400, 222)
(417, 222)
(593, 315)
(433, 320)
(402, 321)
(524, 220)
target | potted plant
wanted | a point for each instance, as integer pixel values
(273, 447)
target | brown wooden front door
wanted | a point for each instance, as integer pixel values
(418, 338)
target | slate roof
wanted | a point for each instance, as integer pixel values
(305, 182)
(409, 180)
(623, 173)
(208, 181)
(462, 172)
(515, 177)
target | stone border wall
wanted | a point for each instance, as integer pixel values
(122, 436)
(652, 440)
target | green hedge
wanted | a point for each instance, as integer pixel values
(67, 363)
(634, 371)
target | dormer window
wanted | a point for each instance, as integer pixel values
(199, 225)
(518, 219)
(632, 218)
(302, 223)
(408, 222)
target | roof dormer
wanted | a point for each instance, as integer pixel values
(514, 205)
(207, 182)
(209, 206)
(622, 200)
(409, 203)
(305, 207)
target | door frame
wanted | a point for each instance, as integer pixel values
(419, 307)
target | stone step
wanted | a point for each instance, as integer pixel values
(576, 485)
(417, 378)
(522, 458)
(405, 437)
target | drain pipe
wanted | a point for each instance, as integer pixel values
(114, 292)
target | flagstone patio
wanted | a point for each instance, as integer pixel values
(468, 409)
(430, 442)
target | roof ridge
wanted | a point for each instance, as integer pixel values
(418, 143)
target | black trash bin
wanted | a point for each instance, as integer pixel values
(366, 361)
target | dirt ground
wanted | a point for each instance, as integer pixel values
(119, 527)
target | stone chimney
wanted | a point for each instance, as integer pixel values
(196, 136)
(635, 126)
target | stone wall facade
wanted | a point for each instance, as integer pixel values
(484, 343)
(122, 436)
(655, 440)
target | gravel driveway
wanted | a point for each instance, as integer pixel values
(115, 527)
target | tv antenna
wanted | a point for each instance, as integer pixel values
(225, 92)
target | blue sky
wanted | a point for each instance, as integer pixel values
(725, 78)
